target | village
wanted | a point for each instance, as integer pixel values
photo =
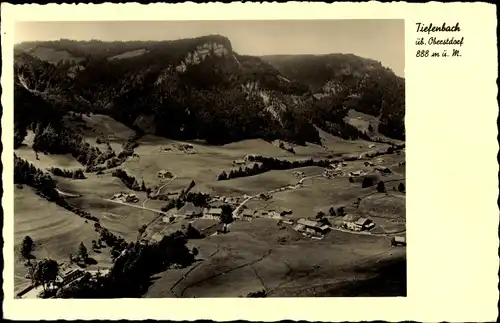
(314, 227)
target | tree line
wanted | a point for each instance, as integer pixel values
(73, 174)
(264, 164)
(42, 182)
(129, 181)
(130, 275)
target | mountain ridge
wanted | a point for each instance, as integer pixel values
(199, 88)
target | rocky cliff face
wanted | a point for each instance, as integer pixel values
(195, 88)
(202, 52)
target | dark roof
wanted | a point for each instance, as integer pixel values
(362, 221)
(189, 208)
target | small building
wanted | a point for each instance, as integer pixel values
(164, 174)
(70, 275)
(364, 223)
(368, 163)
(166, 219)
(371, 146)
(274, 215)
(398, 241)
(217, 211)
(313, 226)
(290, 222)
(323, 229)
(285, 211)
(125, 197)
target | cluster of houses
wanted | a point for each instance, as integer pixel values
(125, 197)
(354, 223)
(187, 148)
(226, 199)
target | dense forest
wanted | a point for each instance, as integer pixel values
(199, 89)
(352, 81)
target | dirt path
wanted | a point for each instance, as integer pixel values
(159, 190)
(226, 272)
(65, 194)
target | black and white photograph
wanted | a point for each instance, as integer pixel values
(209, 159)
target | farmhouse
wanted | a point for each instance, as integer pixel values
(212, 213)
(125, 197)
(70, 275)
(350, 222)
(189, 210)
(364, 223)
(313, 226)
(164, 174)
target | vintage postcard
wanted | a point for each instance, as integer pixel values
(179, 161)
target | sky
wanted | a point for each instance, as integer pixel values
(378, 39)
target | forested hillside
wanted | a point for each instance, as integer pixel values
(358, 83)
(201, 89)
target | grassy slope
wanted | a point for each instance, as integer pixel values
(283, 268)
(56, 231)
(45, 161)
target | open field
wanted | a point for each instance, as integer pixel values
(252, 256)
(248, 259)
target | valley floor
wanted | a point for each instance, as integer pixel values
(260, 253)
